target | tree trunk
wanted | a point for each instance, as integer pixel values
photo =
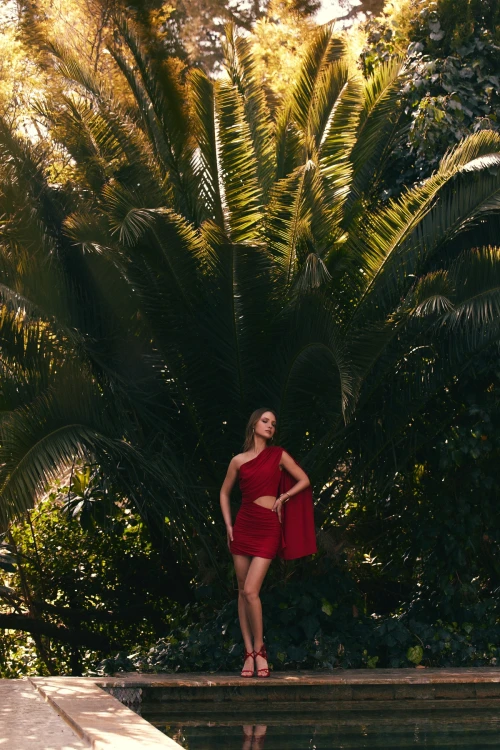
(73, 637)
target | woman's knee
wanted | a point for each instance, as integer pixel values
(250, 594)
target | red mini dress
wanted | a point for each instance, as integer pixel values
(257, 530)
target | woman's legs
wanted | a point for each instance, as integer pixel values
(259, 735)
(241, 566)
(253, 581)
(248, 735)
(255, 576)
(250, 572)
(254, 736)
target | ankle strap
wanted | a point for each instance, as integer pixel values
(262, 652)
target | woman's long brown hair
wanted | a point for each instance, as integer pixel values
(254, 418)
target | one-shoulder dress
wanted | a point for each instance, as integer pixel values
(257, 531)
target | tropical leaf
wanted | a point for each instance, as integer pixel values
(285, 224)
(243, 72)
(376, 125)
(205, 127)
(242, 193)
(306, 97)
(331, 84)
(304, 107)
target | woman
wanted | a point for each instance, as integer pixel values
(269, 479)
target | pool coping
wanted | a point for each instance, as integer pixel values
(90, 706)
(427, 675)
(97, 717)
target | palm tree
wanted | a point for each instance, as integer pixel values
(201, 256)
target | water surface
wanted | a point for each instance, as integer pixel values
(464, 727)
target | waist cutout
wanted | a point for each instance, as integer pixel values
(265, 501)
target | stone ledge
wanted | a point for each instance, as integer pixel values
(27, 722)
(428, 676)
(98, 718)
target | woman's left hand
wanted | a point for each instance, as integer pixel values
(278, 506)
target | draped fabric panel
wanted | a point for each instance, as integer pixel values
(298, 532)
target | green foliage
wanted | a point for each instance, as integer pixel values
(19, 656)
(299, 620)
(425, 547)
(455, 513)
(415, 654)
(300, 635)
(84, 572)
(460, 20)
(451, 87)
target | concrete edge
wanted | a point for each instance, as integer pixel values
(97, 717)
(433, 676)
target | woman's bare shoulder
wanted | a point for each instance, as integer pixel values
(239, 459)
(285, 457)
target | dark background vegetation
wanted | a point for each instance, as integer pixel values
(408, 569)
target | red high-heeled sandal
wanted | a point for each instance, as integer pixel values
(262, 653)
(248, 672)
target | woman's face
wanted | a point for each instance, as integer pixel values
(266, 425)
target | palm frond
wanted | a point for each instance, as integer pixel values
(340, 131)
(90, 229)
(440, 341)
(169, 245)
(331, 82)
(323, 50)
(336, 137)
(158, 141)
(472, 153)
(242, 70)
(84, 80)
(285, 224)
(162, 86)
(38, 441)
(205, 131)
(242, 191)
(162, 103)
(293, 121)
(433, 294)
(313, 275)
(475, 276)
(315, 343)
(291, 151)
(410, 228)
(29, 203)
(377, 117)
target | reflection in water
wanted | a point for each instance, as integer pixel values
(468, 726)
(253, 736)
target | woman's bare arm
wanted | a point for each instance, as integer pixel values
(225, 495)
(297, 473)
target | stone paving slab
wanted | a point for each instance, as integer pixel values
(27, 722)
(99, 718)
